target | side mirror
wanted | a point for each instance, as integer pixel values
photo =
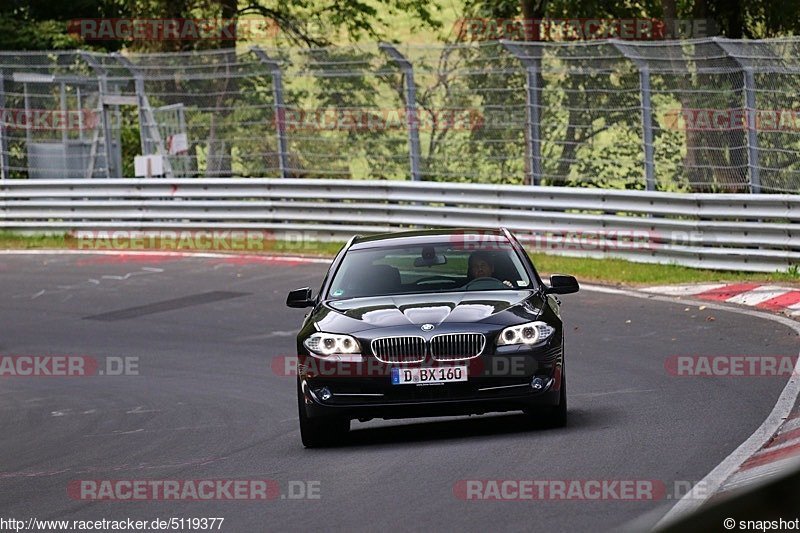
(300, 298)
(561, 284)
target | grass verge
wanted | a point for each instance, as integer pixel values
(616, 271)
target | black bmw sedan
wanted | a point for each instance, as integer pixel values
(430, 323)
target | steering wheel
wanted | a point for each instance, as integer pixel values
(484, 283)
(434, 278)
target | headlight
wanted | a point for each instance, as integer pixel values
(332, 343)
(530, 333)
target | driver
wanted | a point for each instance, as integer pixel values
(481, 265)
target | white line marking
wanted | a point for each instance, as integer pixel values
(624, 391)
(128, 275)
(712, 482)
(756, 296)
(138, 410)
(261, 336)
(684, 290)
(116, 433)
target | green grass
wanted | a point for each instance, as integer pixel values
(587, 270)
(14, 241)
(627, 272)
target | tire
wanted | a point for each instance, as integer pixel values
(320, 432)
(556, 416)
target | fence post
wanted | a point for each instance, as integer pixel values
(3, 137)
(533, 92)
(647, 111)
(749, 89)
(138, 83)
(647, 129)
(102, 84)
(752, 132)
(280, 108)
(411, 106)
(149, 135)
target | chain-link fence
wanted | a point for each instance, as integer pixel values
(712, 115)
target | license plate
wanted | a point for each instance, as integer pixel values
(420, 376)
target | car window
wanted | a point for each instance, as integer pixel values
(428, 268)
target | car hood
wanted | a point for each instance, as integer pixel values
(415, 309)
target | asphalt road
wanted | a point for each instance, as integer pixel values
(208, 404)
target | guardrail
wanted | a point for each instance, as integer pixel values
(721, 231)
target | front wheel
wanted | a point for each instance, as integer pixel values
(319, 432)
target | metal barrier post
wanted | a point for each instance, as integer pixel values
(647, 112)
(647, 129)
(752, 132)
(532, 109)
(749, 89)
(138, 83)
(3, 136)
(280, 108)
(102, 84)
(411, 106)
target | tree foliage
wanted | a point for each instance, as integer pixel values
(44, 24)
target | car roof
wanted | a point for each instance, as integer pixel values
(417, 237)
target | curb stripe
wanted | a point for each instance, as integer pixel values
(759, 295)
(771, 456)
(787, 299)
(757, 474)
(728, 291)
(791, 423)
(783, 438)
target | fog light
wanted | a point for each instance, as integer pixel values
(537, 383)
(324, 393)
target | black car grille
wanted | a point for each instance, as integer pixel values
(455, 346)
(399, 349)
(445, 347)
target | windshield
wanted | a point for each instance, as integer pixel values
(442, 267)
